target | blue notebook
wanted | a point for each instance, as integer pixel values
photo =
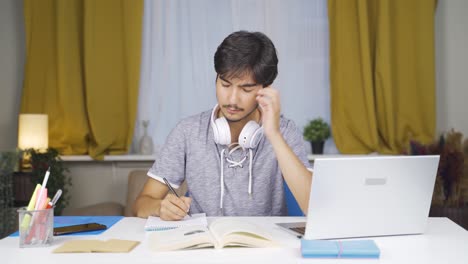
(339, 249)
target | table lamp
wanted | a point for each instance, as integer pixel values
(33, 132)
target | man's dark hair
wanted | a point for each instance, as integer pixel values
(247, 52)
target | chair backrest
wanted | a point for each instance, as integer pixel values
(291, 203)
(136, 181)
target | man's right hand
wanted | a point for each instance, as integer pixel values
(174, 208)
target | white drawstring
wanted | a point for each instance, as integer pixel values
(250, 172)
(222, 180)
(234, 164)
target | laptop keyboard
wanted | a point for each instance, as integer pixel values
(300, 230)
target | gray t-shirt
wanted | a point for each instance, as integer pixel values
(191, 154)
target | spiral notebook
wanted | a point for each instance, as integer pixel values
(154, 223)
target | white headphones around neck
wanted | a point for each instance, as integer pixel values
(249, 137)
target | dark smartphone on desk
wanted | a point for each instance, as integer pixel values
(78, 228)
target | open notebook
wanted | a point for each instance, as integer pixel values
(154, 223)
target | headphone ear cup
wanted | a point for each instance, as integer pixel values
(250, 135)
(223, 131)
(215, 132)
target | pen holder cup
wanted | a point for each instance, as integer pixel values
(35, 227)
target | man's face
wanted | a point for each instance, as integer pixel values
(236, 96)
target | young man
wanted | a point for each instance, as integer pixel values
(235, 156)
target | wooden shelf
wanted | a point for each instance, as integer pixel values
(108, 158)
(312, 157)
(23, 187)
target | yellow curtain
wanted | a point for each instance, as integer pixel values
(82, 69)
(382, 74)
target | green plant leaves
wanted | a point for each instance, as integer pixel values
(8, 162)
(316, 130)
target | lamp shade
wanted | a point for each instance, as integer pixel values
(33, 131)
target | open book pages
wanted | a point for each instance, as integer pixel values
(154, 223)
(223, 232)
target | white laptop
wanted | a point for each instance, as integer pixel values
(369, 196)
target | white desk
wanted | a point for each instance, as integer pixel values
(444, 242)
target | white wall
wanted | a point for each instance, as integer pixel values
(12, 52)
(452, 65)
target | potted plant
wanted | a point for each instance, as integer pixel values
(317, 131)
(40, 162)
(7, 211)
(450, 196)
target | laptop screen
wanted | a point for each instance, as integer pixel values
(370, 196)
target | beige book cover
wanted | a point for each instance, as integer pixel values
(223, 232)
(88, 246)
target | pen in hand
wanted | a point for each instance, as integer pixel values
(173, 192)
